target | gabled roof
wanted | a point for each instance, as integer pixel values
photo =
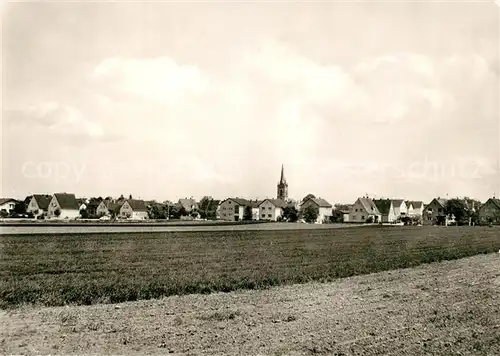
(369, 205)
(187, 203)
(440, 201)
(276, 202)
(416, 204)
(43, 201)
(383, 205)
(494, 201)
(6, 200)
(112, 206)
(67, 201)
(322, 203)
(244, 202)
(397, 202)
(137, 205)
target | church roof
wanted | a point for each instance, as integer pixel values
(282, 179)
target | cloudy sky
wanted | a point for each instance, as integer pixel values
(167, 100)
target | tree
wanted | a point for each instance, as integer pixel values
(309, 196)
(173, 211)
(194, 213)
(157, 211)
(247, 213)
(20, 208)
(208, 208)
(311, 213)
(57, 212)
(183, 211)
(92, 206)
(459, 209)
(337, 216)
(290, 214)
(84, 214)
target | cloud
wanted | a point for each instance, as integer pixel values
(159, 78)
(57, 119)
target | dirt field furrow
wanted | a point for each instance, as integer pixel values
(441, 309)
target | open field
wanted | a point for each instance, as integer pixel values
(71, 228)
(448, 308)
(58, 269)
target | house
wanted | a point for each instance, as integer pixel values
(133, 209)
(233, 209)
(324, 208)
(400, 208)
(108, 208)
(189, 204)
(82, 203)
(271, 209)
(7, 205)
(489, 212)
(434, 212)
(38, 204)
(415, 208)
(63, 206)
(386, 210)
(364, 209)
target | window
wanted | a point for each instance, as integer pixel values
(263, 215)
(269, 215)
(236, 208)
(269, 208)
(229, 202)
(362, 217)
(356, 210)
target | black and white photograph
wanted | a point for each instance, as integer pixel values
(250, 177)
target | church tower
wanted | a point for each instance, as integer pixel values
(282, 186)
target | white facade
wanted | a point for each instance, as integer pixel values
(64, 213)
(8, 206)
(269, 211)
(324, 212)
(400, 210)
(360, 213)
(126, 212)
(33, 207)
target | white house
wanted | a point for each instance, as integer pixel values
(400, 209)
(386, 210)
(63, 206)
(271, 209)
(133, 209)
(415, 208)
(363, 209)
(7, 205)
(233, 209)
(38, 204)
(324, 208)
(108, 208)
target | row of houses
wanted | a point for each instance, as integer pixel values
(383, 210)
(434, 213)
(233, 209)
(364, 209)
(67, 206)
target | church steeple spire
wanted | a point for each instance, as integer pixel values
(282, 180)
(282, 186)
